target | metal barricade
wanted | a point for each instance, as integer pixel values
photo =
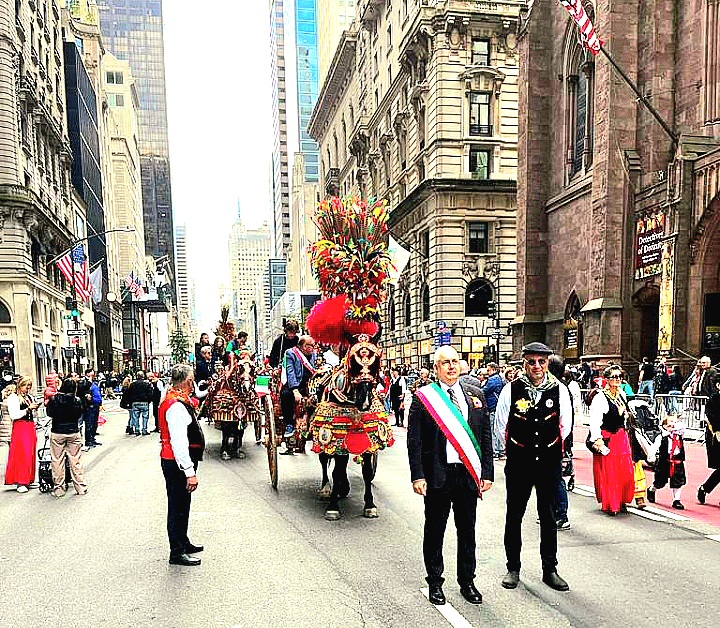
(690, 408)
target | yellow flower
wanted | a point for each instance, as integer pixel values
(522, 405)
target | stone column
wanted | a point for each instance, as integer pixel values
(9, 166)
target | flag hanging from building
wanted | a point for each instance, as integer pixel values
(96, 284)
(134, 287)
(399, 258)
(74, 267)
(578, 13)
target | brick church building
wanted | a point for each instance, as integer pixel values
(619, 223)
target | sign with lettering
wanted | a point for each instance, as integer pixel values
(649, 234)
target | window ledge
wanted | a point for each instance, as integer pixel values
(578, 187)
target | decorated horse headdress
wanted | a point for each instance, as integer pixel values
(352, 265)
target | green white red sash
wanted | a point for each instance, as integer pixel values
(303, 360)
(453, 425)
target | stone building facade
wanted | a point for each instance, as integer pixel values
(39, 217)
(618, 235)
(420, 107)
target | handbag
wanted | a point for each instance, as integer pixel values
(589, 444)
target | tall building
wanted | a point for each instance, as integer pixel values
(419, 107)
(181, 278)
(300, 277)
(306, 68)
(618, 230)
(249, 251)
(280, 166)
(333, 17)
(133, 31)
(40, 216)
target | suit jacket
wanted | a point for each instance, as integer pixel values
(707, 385)
(427, 444)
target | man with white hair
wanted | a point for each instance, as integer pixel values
(451, 464)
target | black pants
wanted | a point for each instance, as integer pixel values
(712, 481)
(90, 417)
(455, 493)
(287, 405)
(178, 514)
(519, 482)
(230, 430)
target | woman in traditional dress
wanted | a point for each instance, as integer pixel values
(22, 461)
(613, 468)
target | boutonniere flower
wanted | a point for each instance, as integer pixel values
(522, 405)
(476, 402)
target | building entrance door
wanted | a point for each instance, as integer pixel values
(647, 302)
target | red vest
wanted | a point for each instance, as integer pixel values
(195, 437)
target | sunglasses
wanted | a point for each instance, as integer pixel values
(615, 377)
(539, 362)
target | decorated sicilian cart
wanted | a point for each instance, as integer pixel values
(353, 267)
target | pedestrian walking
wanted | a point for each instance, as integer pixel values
(646, 382)
(92, 403)
(22, 461)
(65, 409)
(141, 395)
(613, 468)
(451, 464)
(492, 388)
(126, 403)
(181, 449)
(398, 386)
(556, 367)
(712, 444)
(535, 414)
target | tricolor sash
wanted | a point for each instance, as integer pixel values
(300, 356)
(454, 426)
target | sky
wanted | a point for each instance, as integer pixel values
(217, 60)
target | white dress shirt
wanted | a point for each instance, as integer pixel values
(452, 454)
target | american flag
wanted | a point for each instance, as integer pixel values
(578, 13)
(80, 276)
(134, 287)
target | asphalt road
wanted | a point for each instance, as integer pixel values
(271, 560)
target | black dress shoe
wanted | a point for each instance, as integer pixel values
(193, 549)
(511, 579)
(554, 581)
(701, 494)
(436, 595)
(184, 559)
(471, 594)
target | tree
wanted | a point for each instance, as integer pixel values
(179, 346)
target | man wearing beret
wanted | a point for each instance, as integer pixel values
(534, 413)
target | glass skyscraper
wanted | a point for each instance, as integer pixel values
(306, 45)
(133, 31)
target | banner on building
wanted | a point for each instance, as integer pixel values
(649, 234)
(667, 294)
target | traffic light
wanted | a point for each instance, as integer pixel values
(72, 305)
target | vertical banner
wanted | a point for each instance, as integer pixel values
(649, 234)
(667, 297)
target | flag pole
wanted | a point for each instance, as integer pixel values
(640, 96)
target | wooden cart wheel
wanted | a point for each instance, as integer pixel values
(258, 428)
(271, 441)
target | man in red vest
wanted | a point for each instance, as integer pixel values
(182, 444)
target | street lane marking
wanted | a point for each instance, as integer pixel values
(666, 513)
(583, 487)
(583, 492)
(449, 612)
(647, 515)
(714, 537)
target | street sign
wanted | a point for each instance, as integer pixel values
(497, 336)
(74, 340)
(76, 332)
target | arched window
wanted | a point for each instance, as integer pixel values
(391, 313)
(407, 314)
(35, 315)
(4, 313)
(572, 308)
(478, 295)
(53, 320)
(426, 303)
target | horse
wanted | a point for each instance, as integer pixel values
(351, 419)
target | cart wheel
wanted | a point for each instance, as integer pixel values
(258, 428)
(271, 442)
(374, 460)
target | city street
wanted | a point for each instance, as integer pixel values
(272, 560)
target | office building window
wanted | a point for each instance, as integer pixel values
(478, 237)
(480, 114)
(116, 100)
(114, 78)
(479, 162)
(480, 52)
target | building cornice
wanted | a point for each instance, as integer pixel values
(343, 63)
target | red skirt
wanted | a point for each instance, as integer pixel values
(614, 474)
(22, 458)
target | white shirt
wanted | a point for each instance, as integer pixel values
(13, 406)
(598, 408)
(576, 394)
(502, 410)
(178, 419)
(452, 454)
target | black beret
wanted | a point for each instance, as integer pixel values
(536, 348)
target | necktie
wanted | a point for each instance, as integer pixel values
(453, 398)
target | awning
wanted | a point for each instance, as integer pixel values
(39, 350)
(50, 352)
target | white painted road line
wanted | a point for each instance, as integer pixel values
(583, 492)
(582, 487)
(666, 513)
(449, 612)
(646, 515)
(714, 537)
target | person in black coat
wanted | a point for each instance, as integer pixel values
(441, 478)
(712, 444)
(287, 340)
(66, 409)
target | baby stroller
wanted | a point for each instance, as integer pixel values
(645, 429)
(45, 476)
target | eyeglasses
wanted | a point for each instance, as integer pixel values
(539, 361)
(619, 377)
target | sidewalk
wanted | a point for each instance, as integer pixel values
(696, 470)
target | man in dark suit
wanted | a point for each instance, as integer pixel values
(447, 418)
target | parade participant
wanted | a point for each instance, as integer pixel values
(141, 396)
(556, 367)
(181, 449)
(22, 461)
(398, 386)
(669, 449)
(126, 403)
(492, 388)
(203, 342)
(65, 409)
(287, 340)
(613, 468)
(238, 350)
(92, 403)
(297, 371)
(712, 444)
(646, 380)
(218, 351)
(535, 414)
(451, 463)
(203, 366)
